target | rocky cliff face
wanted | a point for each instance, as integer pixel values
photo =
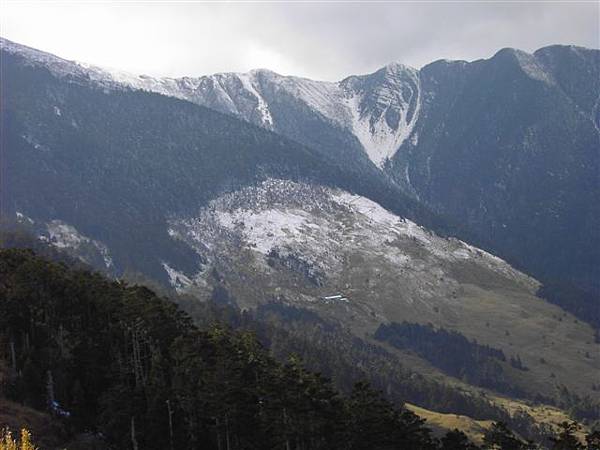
(510, 147)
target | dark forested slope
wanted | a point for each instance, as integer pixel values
(119, 360)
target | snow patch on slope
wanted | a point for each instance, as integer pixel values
(178, 280)
(23, 218)
(384, 108)
(324, 227)
(450, 249)
(372, 107)
(532, 68)
(379, 140)
(265, 229)
(65, 236)
(247, 81)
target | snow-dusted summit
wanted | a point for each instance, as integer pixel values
(379, 110)
(374, 112)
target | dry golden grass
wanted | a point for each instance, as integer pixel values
(46, 431)
(540, 413)
(441, 423)
(8, 442)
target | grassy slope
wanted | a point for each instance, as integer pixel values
(500, 313)
(390, 271)
(475, 429)
(441, 423)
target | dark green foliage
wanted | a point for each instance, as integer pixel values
(346, 359)
(500, 437)
(455, 440)
(583, 408)
(451, 352)
(581, 303)
(515, 361)
(123, 361)
(374, 422)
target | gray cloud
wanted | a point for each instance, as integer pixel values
(318, 40)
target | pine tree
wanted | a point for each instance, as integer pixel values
(456, 440)
(500, 437)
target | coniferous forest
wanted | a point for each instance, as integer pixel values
(451, 352)
(129, 369)
(127, 364)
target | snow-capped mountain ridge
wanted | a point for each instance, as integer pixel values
(378, 109)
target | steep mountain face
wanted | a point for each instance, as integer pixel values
(94, 165)
(361, 115)
(510, 146)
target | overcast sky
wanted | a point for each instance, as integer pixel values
(313, 39)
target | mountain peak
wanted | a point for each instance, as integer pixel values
(397, 68)
(527, 62)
